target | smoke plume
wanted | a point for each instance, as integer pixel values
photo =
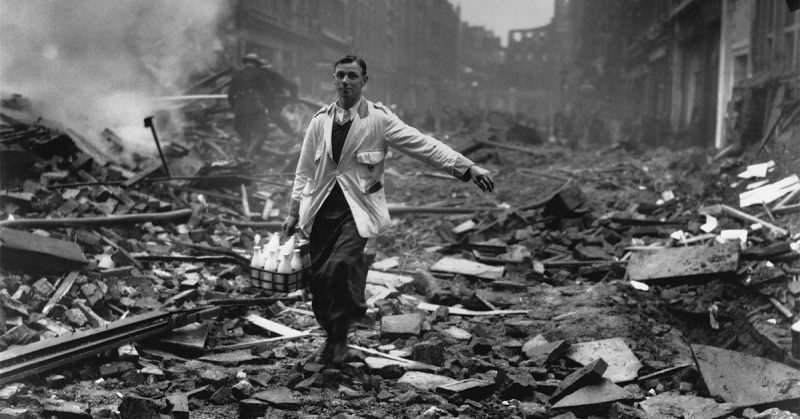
(95, 64)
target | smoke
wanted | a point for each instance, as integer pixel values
(95, 64)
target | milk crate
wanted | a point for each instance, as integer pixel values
(276, 282)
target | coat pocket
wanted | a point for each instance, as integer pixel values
(370, 170)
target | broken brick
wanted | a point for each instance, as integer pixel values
(242, 390)
(429, 352)
(137, 407)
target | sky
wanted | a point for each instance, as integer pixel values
(501, 16)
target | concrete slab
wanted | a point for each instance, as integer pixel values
(671, 406)
(623, 365)
(745, 380)
(191, 337)
(683, 262)
(604, 392)
(588, 374)
(468, 268)
(280, 397)
(401, 325)
(424, 380)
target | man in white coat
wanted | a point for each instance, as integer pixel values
(338, 199)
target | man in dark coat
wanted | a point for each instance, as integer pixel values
(257, 95)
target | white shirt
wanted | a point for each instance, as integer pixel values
(340, 113)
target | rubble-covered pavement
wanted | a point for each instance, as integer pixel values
(590, 284)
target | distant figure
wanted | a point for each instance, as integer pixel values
(257, 95)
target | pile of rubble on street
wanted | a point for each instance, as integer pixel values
(590, 284)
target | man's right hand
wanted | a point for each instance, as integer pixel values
(288, 226)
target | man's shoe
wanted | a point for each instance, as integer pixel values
(341, 354)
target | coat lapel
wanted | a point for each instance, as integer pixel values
(327, 128)
(359, 124)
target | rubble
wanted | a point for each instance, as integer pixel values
(479, 304)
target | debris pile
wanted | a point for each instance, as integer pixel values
(580, 288)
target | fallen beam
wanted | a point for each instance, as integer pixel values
(169, 216)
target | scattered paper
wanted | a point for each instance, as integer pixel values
(640, 286)
(769, 193)
(710, 225)
(678, 235)
(757, 170)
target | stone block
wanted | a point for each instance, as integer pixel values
(401, 325)
(137, 407)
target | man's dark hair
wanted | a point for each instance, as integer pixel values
(347, 59)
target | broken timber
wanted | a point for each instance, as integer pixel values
(724, 209)
(62, 290)
(168, 216)
(24, 361)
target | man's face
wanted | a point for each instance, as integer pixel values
(348, 81)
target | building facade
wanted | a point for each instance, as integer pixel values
(410, 46)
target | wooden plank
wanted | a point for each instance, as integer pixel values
(140, 176)
(468, 268)
(61, 291)
(272, 326)
(465, 312)
(260, 342)
(415, 365)
(683, 262)
(170, 216)
(31, 252)
(747, 217)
